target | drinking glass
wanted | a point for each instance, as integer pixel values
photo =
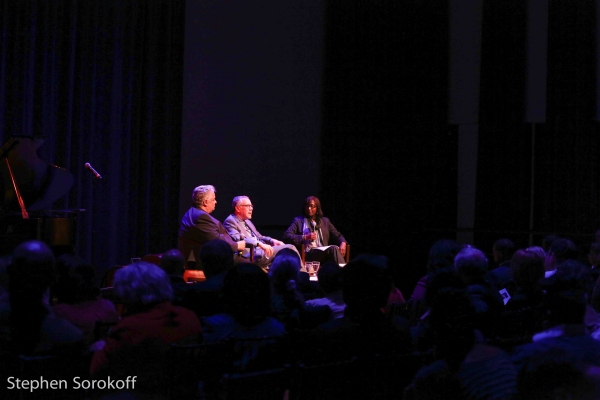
(315, 266)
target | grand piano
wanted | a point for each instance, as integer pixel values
(28, 189)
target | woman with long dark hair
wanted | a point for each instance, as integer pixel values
(323, 242)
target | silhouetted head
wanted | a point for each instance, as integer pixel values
(527, 267)
(76, 281)
(142, 285)
(329, 275)
(564, 249)
(365, 285)
(441, 279)
(441, 254)
(380, 261)
(560, 251)
(30, 275)
(471, 265)
(547, 242)
(216, 257)
(537, 250)
(247, 294)
(172, 262)
(32, 265)
(503, 250)
(565, 293)
(284, 270)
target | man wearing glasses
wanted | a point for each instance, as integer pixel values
(240, 227)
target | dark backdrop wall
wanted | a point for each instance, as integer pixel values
(538, 174)
(252, 105)
(389, 156)
(386, 99)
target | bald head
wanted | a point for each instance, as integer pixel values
(33, 251)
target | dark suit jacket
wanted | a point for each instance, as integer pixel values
(198, 227)
(293, 234)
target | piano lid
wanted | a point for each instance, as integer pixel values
(40, 184)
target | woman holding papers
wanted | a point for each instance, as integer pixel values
(322, 241)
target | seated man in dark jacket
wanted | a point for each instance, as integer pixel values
(198, 226)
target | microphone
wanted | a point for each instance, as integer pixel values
(314, 225)
(96, 174)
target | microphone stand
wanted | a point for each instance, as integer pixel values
(93, 255)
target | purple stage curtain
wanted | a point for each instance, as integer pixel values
(102, 80)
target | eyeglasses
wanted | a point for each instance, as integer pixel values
(311, 206)
(246, 205)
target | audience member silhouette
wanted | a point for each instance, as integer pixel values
(443, 278)
(204, 297)
(135, 346)
(561, 250)
(441, 255)
(329, 276)
(382, 262)
(173, 263)
(364, 330)
(395, 296)
(558, 376)
(537, 250)
(34, 327)
(216, 261)
(4, 305)
(286, 301)
(247, 338)
(527, 268)
(594, 260)
(246, 296)
(467, 368)
(472, 266)
(547, 242)
(564, 305)
(501, 277)
(78, 298)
